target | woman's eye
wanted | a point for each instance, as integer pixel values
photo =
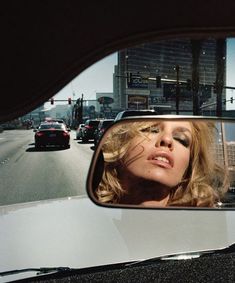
(154, 130)
(184, 141)
(150, 130)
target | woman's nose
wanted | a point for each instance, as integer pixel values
(165, 140)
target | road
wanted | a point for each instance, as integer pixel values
(27, 174)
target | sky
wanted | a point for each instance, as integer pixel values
(96, 78)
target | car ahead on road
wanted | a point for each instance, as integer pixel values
(103, 124)
(89, 129)
(72, 239)
(131, 113)
(52, 134)
(51, 120)
(79, 131)
(61, 121)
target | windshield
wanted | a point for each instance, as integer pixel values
(51, 126)
(105, 124)
(175, 76)
(93, 123)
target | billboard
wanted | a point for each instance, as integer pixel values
(137, 102)
(135, 81)
(169, 92)
(105, 100)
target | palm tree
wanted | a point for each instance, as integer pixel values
(220, 67)
(196, 49)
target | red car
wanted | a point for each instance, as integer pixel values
(55, 134)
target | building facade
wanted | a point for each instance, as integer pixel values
(168, 75)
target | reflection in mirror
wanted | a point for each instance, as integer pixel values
(166, 163)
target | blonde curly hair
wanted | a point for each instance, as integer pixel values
(203, 184)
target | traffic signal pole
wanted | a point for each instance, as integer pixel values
(177, 89)
(220, 64)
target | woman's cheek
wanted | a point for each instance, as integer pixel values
(183, 161)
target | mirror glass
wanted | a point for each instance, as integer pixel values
(165, 162)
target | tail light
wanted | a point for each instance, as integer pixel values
(88, 127)
(39, 134)
(65, 134)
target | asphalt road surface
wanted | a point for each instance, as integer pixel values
(27, 174)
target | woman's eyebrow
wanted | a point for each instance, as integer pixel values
(149, 126)
(183, 129)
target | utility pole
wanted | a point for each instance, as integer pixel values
(196, 48)
(177, 97)
(81, 111)
(219, 83)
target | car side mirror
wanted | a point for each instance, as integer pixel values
(168, 162)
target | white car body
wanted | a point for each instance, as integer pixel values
(79, 131)
(76, 233)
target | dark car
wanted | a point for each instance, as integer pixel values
(55, 134)
(89, 129)
(103, 124)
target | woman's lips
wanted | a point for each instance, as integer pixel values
(162, 159)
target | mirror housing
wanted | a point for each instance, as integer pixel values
(165, 161)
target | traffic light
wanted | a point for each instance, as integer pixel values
(69, 100)
(52, 101)
(189, 84)
(231, 99)
(158, 82)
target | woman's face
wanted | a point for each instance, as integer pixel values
(161, 153)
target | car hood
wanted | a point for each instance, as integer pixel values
(75, 232)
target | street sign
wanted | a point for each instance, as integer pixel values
(105, 100)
